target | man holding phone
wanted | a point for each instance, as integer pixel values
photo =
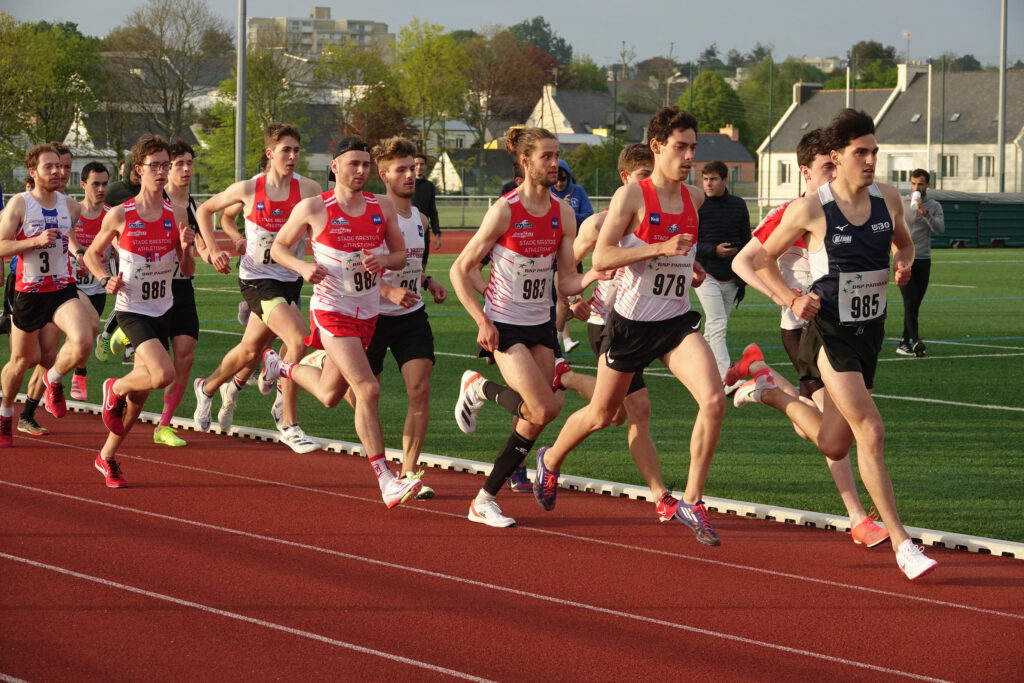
(724, 230)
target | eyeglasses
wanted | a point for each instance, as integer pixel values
(154, 166)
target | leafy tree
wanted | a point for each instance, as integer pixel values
(715, 104)
(754, 93)
(271, 95)
(735, 59)
(21, 58)
(867, 52)
(430, 75)
(876, 75)
(503, 80)
(547, 63)
(537, 31)
(966, 63)
(758, 54)
(462, 35)
(710, 53)
(161, 50)
(353, 70)
(377, 116)
(595, 167)
(584, 74)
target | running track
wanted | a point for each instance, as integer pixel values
(235, 559)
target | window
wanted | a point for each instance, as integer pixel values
(785, 173)
(949, 166)
(984, 166)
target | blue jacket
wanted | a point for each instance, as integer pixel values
(576, 195)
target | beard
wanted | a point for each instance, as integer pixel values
(539, 176)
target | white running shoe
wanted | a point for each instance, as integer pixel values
(204, 404)
(277, 410)
(730, 388)
(296, 439)
(470, 401)
(400, 490)
(228, 400)
(271, 372)
(490, 514)
(750, 391)
(912, 560)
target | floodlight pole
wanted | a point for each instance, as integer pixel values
(240, 173)
(1001, 135)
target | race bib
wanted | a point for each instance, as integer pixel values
(150, 281)
(407, 278)
(667, 278)
(355, 279)
(532, 282)
(45, 261)
(862, 296)
(261, 251)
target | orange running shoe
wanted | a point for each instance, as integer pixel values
(869, 532)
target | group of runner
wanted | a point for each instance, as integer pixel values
(368, 283)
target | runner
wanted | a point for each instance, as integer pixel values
(649, 235)
(770, 388)
(849, 227)
(94, 184)
(149, 248)
(271, 290)
(523, 232)
(636, 162)
(349, 227)
(402, 325)
(184, 318)
(37, 225)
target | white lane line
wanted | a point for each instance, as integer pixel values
(241, 617)
(560, 534)
(227, 332)
(976, 345)
(950, 403)
(469, 582)
(939, 284)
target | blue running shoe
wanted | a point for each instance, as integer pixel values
(519, 481)
(696, 517)
(545, 488)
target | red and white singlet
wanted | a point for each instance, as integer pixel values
(147, 257)
(658, 288)
(86, 230)
(348, 288)
(519, 288)
(44, 269)
(793, 263)
(261, 227)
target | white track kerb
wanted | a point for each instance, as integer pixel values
(931, 537)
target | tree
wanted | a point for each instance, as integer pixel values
(584, 74)
(271, 95)
(161, 49)
(966, 63)
(754, 94)
(502, 79)
(352, 70)
(875, 75)
(595, 167)
(710, 53)
(866, 52)
(715, 104)
(758, 54)
(735, 59)
(537, 31)
(430, 75)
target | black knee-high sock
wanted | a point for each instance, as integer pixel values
(511, 456)
(504, 397)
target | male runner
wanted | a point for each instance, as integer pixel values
(402, 324)
(849, 227)
(37, 225)
(152, 239)
(523, 232)
(349, 227)
(772, 389)
(636, 162)
(184, 318)
(271, 290)
(649, 235)
(94, 184)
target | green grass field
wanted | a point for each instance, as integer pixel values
(954, 422)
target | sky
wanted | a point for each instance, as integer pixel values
(598, 29)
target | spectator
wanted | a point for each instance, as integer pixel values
(924, 218)
(724, 229)
(127, 187)
(425, 201)
(576, 197)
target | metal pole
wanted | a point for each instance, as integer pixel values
(942, 127)
(1001, 136)
(847, 83)
(928, 121)
(771, 76)
(240, 96)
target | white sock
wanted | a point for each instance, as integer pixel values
(52, 376)
(483, 497)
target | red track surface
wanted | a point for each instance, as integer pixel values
(236, 559)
